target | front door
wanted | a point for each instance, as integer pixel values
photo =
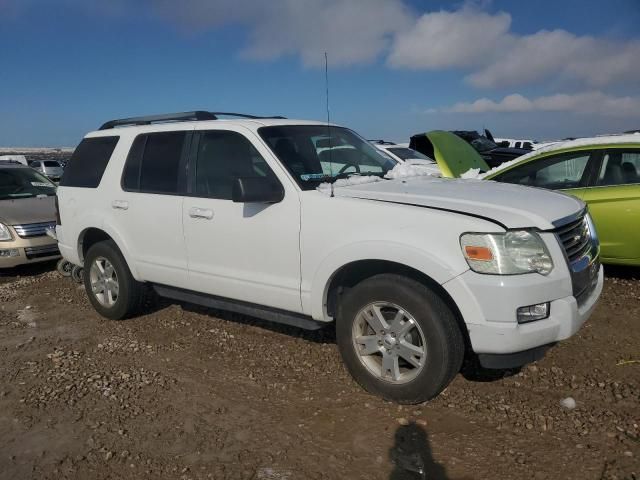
(243, 251)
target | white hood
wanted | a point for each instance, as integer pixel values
(513, 206)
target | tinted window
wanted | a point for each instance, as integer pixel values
(51, 163)
(153, 163)
(88, 162)
(222, 157)
(559, 172)
(619, 168)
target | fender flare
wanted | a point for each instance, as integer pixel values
(120, 243)
(402, 254)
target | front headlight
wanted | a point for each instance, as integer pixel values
(5, 234)
(509, 253)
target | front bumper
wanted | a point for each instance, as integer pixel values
(30, 250)
(488, 305)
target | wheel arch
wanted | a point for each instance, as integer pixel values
(355, 272)
(92, 235)
(359, 260)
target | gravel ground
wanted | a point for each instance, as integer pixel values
(190, 393)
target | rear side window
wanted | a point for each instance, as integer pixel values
(88, 162)
(153, 164)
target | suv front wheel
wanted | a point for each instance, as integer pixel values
(111, 288)
(398, 338)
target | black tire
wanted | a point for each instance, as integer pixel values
(443, 339)
(64, 267)
(77, 274)
(131, 294)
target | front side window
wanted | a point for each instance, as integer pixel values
(558, 172)
(619, 168)
(24, 183)
(153, 163)
(314, 154)
(222, 157)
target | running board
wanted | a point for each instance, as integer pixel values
(244, 308)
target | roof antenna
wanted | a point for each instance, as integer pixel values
(326, 82)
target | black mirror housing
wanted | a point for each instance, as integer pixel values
(256, 190)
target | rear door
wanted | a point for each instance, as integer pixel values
(148, 209)
(242, 251)
(613, 196)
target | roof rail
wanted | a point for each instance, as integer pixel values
(167, 117)
(381, 142)
(198, 115)
(244, 115)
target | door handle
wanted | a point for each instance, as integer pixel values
(120, 205)
(196, 212)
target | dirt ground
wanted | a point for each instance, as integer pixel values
(184, 392)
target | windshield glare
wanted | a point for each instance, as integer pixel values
(23, 183)
(314, 154)
(482, 144)
(409, 154)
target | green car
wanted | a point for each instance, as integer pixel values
(602, 171)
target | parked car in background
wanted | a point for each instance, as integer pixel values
(409, 156)
(602, 171)
(26, 212)
(14, 158)
(240, 215)
(490, 152)
(453, 155)
(525, 144)
(49, 168)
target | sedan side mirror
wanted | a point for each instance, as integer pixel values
(256, 190)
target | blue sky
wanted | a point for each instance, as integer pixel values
(543, 69)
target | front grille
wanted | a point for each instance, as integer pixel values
(42, 251)
(581, 249)
(30, 230)
(575, 238)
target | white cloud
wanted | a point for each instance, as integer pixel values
(483, 44)
(449, 39)
(594, 102)
(351, 31)
(563, 55)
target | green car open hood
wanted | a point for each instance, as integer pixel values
(453, 155)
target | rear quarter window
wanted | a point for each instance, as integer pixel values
(88, 162)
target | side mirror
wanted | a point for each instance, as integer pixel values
(256, 190)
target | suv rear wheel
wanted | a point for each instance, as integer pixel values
(111, 288)
(398, 338)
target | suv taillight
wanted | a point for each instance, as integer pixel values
(58, 221)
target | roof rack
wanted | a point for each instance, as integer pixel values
(382, 142)
(198, 115)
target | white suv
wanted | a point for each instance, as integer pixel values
(249, 214)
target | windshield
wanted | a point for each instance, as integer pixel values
(315, 154)
(482, 144)
(23, 183)
(51, 163)
(409, 154)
